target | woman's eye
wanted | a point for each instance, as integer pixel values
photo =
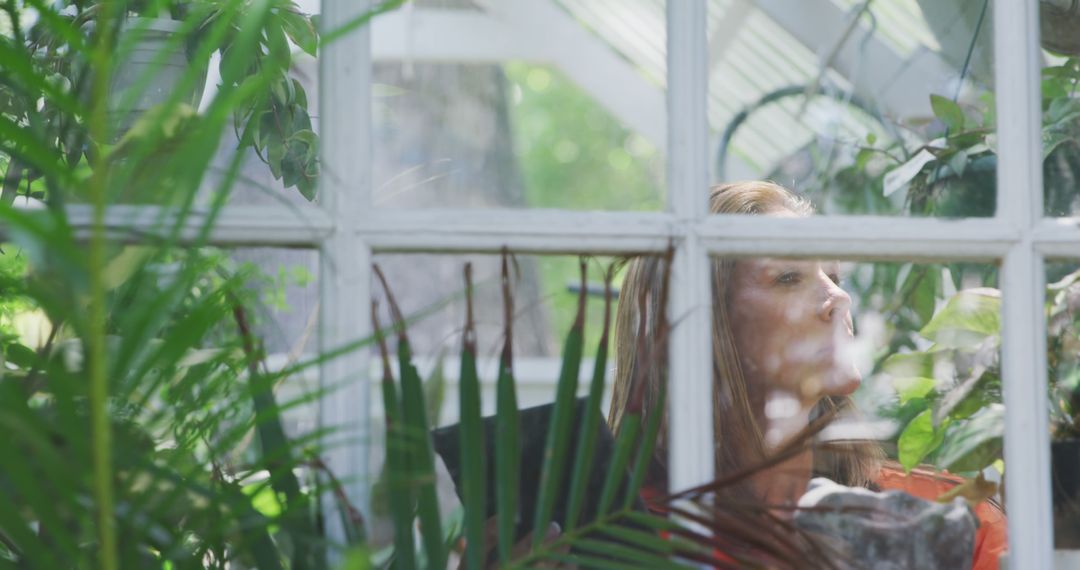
(788, 278)
(835, 277)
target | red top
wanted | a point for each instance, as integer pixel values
(990, 541)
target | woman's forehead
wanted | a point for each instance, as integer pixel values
(755, 264)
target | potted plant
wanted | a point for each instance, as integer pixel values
(949, 394)
(1064, 353)
(163, 51)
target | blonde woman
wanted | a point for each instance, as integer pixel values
(782, 330)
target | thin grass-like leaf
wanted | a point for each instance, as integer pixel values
(645, 450)
(508, 431)
(275, 445)
(587, 561)
(473, 468)
(590, 423)
(625, 444)
(635, 555)
(558, 437)
(421, 455)
(397, 468)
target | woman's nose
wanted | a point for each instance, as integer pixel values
(837, 302)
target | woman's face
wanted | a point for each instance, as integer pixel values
(792, 327)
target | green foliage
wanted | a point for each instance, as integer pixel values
(953, 386)
(144, 417)
(49, 62)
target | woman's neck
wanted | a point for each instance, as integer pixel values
(785, 417)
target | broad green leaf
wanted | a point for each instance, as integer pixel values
(909, 388)
(966, 320)
(984, 358)
(958, 162)
(301, 31)
(918, 440)
(910, 365)
(950, 113)
(975, 443)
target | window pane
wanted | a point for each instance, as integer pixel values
(430, 289)
(881, 107)
(908, 392)
(496, 115)
(282, 307)
(1063, 354)
(1060, 120)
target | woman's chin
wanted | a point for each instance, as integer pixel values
(843, 382)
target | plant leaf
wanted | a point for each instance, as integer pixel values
(558, 437)
(975, 443)
(590, 422)
(473, 468)
(918, 440)
(910, 388)
(948, 111)
(966, 320)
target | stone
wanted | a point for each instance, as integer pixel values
(888, 530)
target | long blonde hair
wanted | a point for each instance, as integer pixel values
(737, 406)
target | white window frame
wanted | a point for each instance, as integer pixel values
(348, 229)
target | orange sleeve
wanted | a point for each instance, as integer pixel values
(990, 539)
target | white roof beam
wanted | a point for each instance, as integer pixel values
(524, 32)
(726, 29)
(590, 62)
(879, 74)
(448, 35)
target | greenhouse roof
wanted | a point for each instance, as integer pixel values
(883, 53)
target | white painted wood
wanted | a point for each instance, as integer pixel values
(690, 414)
(535, 231)
(448, 35)
(1058, 237)
(345, 263)
(549, 231)
(731, 23)
(859, 237)
(901, 86)
(555, 231)
(233, 225)
(1023, 325)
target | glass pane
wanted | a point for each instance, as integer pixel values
(511, 120)
(894, 367)
(1060, 119)
(881, 107)
(283, 305)
(1063, 355)
(431, 289)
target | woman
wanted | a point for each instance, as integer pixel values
(782, 333)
